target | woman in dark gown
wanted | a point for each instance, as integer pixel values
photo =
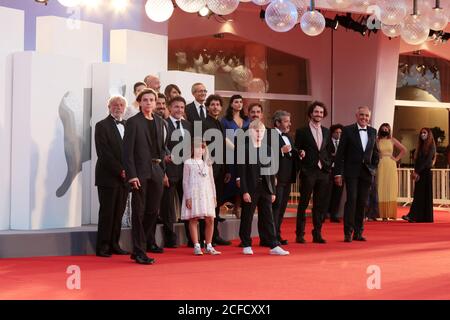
(422, 207)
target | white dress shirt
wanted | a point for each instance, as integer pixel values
(120, 127)
(174, 121)
(364, 136)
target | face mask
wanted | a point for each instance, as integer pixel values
(423, 136)
(384, 133)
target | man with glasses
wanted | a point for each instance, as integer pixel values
(196, 111)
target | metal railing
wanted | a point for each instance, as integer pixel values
(441, 188)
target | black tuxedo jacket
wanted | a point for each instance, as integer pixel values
(351, 160)
(108, 144)
(288, 162)
(219, 166)
(304, 140)
(175, 171)
(137, 142)
(192, 114)
(250, 173)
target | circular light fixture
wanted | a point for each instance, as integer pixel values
(415, 30)
(281, 15)
(312, 23)
(392, 12)
(222, 7)
(159, 10)
(437, 19)
(391, 31)
(191, 6)
(261, 2)
(339, 4)
(203, 11)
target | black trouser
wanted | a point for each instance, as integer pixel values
(335, 198)
(262, 200)
(279, 206)
(316, 182)
(168, 212)
(357, 195)
(145, 204)
(112, 206)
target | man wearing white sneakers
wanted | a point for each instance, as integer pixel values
(257, 188)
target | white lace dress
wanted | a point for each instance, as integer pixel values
(198, 185)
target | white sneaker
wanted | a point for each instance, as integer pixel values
(279, 251)
(247, 250)
(198, 251)
(212, 251)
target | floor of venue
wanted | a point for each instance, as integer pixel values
(413, 260)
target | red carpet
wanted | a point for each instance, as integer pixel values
(414, 260)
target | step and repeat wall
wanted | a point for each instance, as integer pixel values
(50, 100)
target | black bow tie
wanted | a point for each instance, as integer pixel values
(363, 129)
(120, 122)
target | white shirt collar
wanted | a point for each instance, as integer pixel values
(359, 127)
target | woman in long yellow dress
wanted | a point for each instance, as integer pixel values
(387, 180)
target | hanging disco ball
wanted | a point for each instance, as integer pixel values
(159, 10)
(415, 30)
(391, 31)
(191, 6)
(339, 4)
(261, 2)
(392, 12)
(222, 7)
(312, 23)
(281, 15)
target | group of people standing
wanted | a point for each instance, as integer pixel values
(153, 150)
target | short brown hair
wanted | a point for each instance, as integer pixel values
(144, 92)
(177, 99)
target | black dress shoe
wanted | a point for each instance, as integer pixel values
(221, 242)
(155, 249)
(319, 240)
(171, 245)
(335, 220)
(103, 254)
(358, 237)
(300, 240)
(283, 242)
(143, 259)
(348, 238)
(119, 251)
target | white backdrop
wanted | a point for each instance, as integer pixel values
(12, 40)
(46, 139)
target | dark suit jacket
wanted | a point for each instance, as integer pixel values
(351, 160)
(288, 162)
(108, 144)
(175, 171)
(304, 140)
(137, 144)
(192, 114)
(250, 174)
(219, 166)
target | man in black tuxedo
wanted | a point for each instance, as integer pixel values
(316, 166)
(196, 110)
(288, 158)
(356, 161)
(257, 186)
(335, 190)
(144, 149)
(179, 131)
(110, 178)
(214, 105)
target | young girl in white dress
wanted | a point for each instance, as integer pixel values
(199, 196)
